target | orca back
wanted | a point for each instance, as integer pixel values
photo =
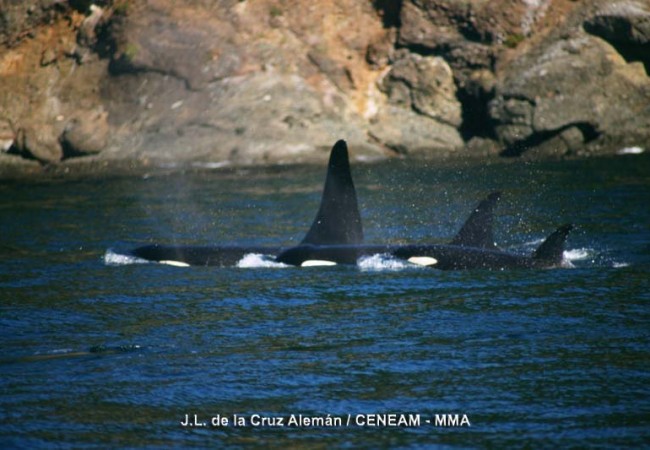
(338, 220)
(478, 228)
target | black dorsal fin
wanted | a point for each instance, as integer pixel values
(338, 220)
(552, 248)
(477, 230)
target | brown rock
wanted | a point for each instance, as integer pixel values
(622, 22)
(86, 133)
(170, 39)
(256, 82)
(626, 26)
(441, 24)
(410, 133)
(580, 84)
(18, 18)
(426, 84)
(38, 142)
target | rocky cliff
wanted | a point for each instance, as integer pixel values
(238, 82)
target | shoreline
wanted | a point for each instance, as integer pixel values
(14, 169)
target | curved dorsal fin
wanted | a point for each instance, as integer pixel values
(477, 230)
(338, 220)
(552, 249)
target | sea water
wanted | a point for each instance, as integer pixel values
(100, 349)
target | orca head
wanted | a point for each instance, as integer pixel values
(338, 220)
(477, 231)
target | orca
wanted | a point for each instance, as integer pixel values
(336, 237)
(337, 222)
(454, 257)
(477, 231)
(438, 256)
(187, 255)
(472, 248)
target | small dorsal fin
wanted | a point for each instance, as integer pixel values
(552, 249)
(338, 220)
(477, 230)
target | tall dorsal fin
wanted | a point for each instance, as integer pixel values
(477, 230)
(338, 220)
(552, 249)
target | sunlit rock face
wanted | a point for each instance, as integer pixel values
(584, 91)
(267, 82)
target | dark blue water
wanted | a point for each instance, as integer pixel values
(101, 352)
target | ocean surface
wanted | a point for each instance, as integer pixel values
(100, 350)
